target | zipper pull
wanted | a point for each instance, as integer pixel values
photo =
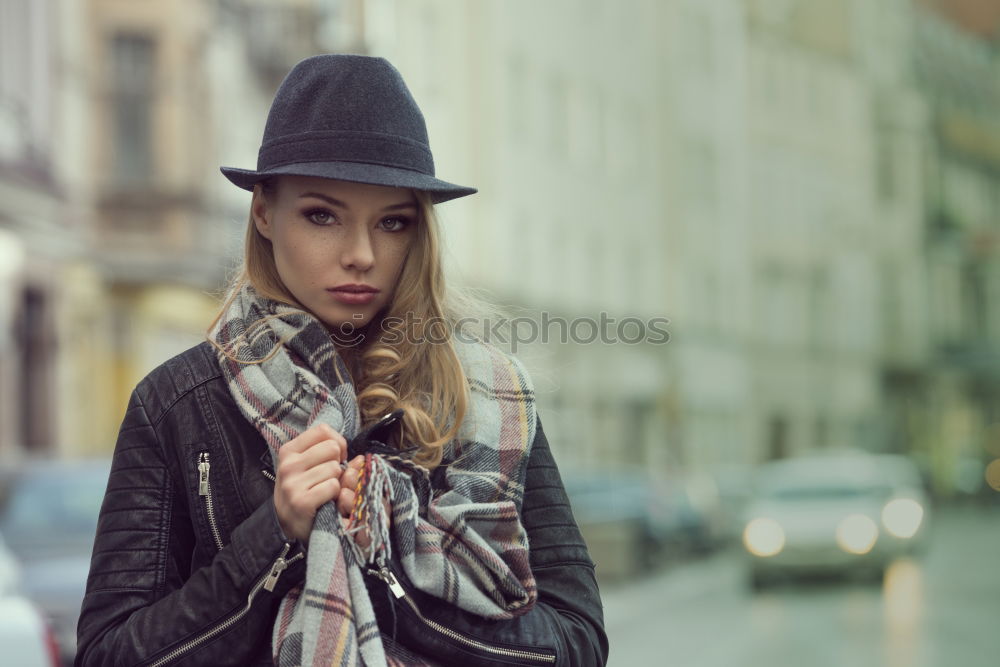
(203, 474)
(385, 574)
(394, 585)
(277, 568)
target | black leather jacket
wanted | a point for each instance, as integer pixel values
(189, 563)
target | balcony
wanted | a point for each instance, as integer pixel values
(278, 36)
(978, 357)
(157, 235)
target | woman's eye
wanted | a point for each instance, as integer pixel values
(319, 217)
(396, 224)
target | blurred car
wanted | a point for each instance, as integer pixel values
(846, 513)
(734, 484)
(48, 516)
(684, 517)
(25, 635)
(910, 507)
(649, 518)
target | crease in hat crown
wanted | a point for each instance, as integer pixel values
(348, 117)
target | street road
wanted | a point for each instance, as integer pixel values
(939, 610)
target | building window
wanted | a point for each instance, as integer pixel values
(777, 438)
(36, 351)
(699, 42)
(822, 431)
(558, 116)
(132, 71)
(600, 139)
(701, 174)
(517, 94)
(885, 162)
(820, 318)
(893, 334)
(974, 303)
(26, 86)
(581, 127)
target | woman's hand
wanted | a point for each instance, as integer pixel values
(308, 475)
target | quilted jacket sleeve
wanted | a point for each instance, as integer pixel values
(565, 627)
(567, 586)
(143, 605)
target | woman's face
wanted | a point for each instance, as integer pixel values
(338, 246)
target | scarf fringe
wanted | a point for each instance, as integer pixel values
(369, 514)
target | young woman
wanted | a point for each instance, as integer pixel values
(339, 475)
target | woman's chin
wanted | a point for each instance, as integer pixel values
(350, 328)
(347, 332)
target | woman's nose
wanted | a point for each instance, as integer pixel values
(358, 252)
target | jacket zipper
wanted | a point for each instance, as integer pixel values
(267, 582)
(385, 574)
(279, 566)
(205, 491)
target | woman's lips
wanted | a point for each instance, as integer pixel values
(354, 296)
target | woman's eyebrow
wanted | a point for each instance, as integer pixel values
(328, 199)
(336, 202)
(401, 205)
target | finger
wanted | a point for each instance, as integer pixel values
(345, 501)
(321, 494)
(311, 436)
(292, 466)
(317, 475)
(362, 539)
(357, 462)
(327, 450)
(319, 453)
(291, 489)
(349, 478)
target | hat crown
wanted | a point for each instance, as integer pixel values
(351, 118)
(344, 93)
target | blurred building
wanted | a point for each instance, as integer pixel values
(955, 62)
(900, 116)
(706, 254)
(179, 89)
(805, 190)
(561, 130)
(156, 237)
(43, 226)
(819, 243)
(758, 171)
(706, 162)
(118, 232)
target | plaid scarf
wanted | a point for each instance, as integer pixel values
(463, 544)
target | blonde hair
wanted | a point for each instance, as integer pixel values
(407, 359)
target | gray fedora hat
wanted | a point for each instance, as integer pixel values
(351, 118)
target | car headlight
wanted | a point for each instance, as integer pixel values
(764, 537)
(902, 517)
(856, 534)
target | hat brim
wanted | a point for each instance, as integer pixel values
(357, 172)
